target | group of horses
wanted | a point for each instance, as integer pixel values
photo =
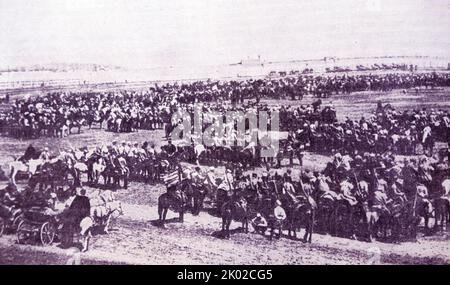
(318, 206)
(109, 169)
(62, 125)
(240, 202)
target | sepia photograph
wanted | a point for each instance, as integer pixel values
(225, 132)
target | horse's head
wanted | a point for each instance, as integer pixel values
(115, 206)
(323, 186)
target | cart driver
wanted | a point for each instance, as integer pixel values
(79, 209)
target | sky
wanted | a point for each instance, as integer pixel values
(154, 33)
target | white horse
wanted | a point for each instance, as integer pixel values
(104, 207)
(18, 166)
(198, 150)
(97, 169)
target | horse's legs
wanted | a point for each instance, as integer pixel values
(181, 217)
(307, 231)
(427, 221)
(223, 225)
(290, 227)
(125, 182)
(106, 227)
(165, 214)
(309, 228)
(86, 239)
(245, 225)
(228, 227)
(160, 211)
(369, 227)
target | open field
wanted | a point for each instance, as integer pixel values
(136, 240)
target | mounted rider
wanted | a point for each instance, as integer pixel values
(45, 155)
(279, 215)
(381, 201)
(10, 199)
(346, 191)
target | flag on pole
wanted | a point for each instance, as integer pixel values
(171, 178)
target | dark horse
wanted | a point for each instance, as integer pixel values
(442, 213)
(116, 170)
(175, 200)
(195, 196)
(50, 174)
(234, 209)
(302, 211)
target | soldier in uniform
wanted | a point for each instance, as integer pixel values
(277, 219)
(259, 223)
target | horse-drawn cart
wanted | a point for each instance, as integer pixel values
(39, 224)
(9, 219)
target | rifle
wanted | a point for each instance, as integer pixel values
(414, 203)
(229, 184)
(358, 189)
(180, 171)
(276, 189)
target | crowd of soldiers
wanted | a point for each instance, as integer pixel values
(363, 177)
(383, 183)
(386, 130)
(367, 195)
(55, 114)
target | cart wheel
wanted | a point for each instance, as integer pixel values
(21, 232)
(16, 222)
(47, 233)
(2, 226)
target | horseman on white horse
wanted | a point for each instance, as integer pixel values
(29, 166)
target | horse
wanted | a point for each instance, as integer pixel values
(115, 170)
(147, 169)
(234, 209)
(326, 199)
(350, 211)
(103, 208)
(200, 153)
(195, 197)
(442, 206)
(75, 124)
(98, 167)
(114, 123)
(78, 168)
(29, 168)
(96, 118)
(174, 199)
(49, 174)
(442, 213)
(428, 141)
(396, 218)
(92, 160)
(301, 210)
